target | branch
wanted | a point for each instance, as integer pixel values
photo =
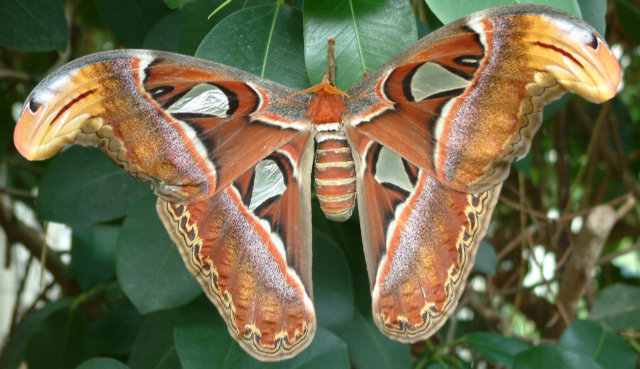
(586, 250)
(33, 240)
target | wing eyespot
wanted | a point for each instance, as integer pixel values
(468, 60)
(159, 91)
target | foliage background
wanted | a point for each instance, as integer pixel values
(120, 297)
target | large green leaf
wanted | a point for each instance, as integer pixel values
(202, 339)
(448, 11)
(58, 341)
(196, 22)
(263, 40)
(114, 332)
(164, 35)
(589, 339)
(33, 25)
(367, 35)
(6, 130)
(203, 342)
(553, 357)
(628, 14)
(93, 251)
(176, 3)
(82, 186)
(618, 307)
(15, 350)
(369, 348)
(593, 12)
(154, 347)
(347, 236)
(130, 20)
(495, 347)
(102, 363)
(149, 267)
(331, 284)
(486, 259)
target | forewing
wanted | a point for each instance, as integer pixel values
(188, 126)
(249, 246)
(465, 101)
(420, 240)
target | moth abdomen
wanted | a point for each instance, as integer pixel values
(335, 175)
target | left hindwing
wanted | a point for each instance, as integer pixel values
(249, 246)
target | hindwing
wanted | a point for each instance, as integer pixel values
(249, 246)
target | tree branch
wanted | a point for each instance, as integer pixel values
(33, 240)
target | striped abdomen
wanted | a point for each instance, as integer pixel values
(335, 175)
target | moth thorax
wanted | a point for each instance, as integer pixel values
(335, 175)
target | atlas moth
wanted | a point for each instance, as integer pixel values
(424, 143)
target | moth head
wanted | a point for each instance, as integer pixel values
(577, 57)
(52, 117)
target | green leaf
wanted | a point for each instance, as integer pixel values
(331, 284)
(163, 35)
(553, 357)
(196, 22)
(93, 251)
(130, 20)
(82, 186)
(264, 40)
(589, 339)
(486, 259)
(176, 3)
(148, 264)
(6, 130)
(203, 341)
(448, 11)
(115, 331)
(33, 25)
(58, 341)
(367, 35)
(617, 307)
(423, 29)
(154, 347)
(15, 350)
(628, 13)
(347, 236)
(497, 348)
(369, 348)
(102, 363)
(524, 166)
(593, 12)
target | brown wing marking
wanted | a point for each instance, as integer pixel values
(420, 240)
(258, 276)
(431, 248)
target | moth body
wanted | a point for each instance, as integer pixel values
(335, 175)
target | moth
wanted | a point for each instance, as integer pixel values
(424, 143)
